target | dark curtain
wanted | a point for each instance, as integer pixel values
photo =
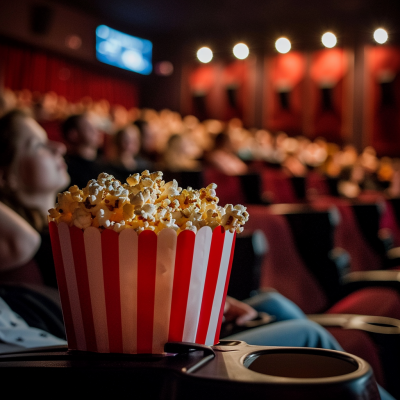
(37, 71)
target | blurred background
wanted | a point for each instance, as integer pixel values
(348, 93)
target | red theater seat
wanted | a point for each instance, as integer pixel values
(348, 235)
(229, 188)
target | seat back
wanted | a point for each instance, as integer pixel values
(283, 268)
(252, 188)
(348, 235)
(313, 234)
(229, 188)
(250, 250)
(276, 186)
(193, 179)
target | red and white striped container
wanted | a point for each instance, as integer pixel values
(130, 293)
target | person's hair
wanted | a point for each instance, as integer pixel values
(72, 122)
(173, 139)
(9, 136)
(8, 147)
(141, 124)
(221, 140)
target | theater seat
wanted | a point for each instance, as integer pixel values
(359, 343)
(283, 268)
(348, 235)
(276, 186)
(355, 341)
(375, 339)
(229, 187)
(365, 302)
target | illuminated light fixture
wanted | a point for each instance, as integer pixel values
(204, 55)
(329, 40)
(380, 36)
(283, 45)
(241, 51)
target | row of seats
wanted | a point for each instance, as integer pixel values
(307, 247)
(312, 280)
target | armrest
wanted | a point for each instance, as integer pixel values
(384, 333)
(393, 257)
(367, 323)
(357, 280)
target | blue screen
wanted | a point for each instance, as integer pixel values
(123, 51)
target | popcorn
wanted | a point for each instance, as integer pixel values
(145, 202)
(81, 218)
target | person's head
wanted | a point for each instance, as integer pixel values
(78, 132)
(32, 168)
(180, 145)
(127, 140)
(222, 142)
(148, 137)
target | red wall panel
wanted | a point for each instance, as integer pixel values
(382, 108)
(328, 93)
(225, 88)
(284, 92)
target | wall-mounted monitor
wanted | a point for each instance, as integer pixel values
(123, 51)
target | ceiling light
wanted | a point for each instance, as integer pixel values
(204, 54)
(241, 51)
(380, 36)
(283, 45)
(329, 40)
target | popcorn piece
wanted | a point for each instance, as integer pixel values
(234, 217)
(147, 212)
(145, 202)
(128, 211)
(102, 218)
(81, 218)
(76, 193)
(120, 226)
(66, 203)
(170, 189)
(94, 196)
(133, 180)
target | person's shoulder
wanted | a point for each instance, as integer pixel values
(18, 240)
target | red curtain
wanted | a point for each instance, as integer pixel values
(37, 71)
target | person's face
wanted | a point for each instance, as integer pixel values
(89, 134)
(38, 165)
(130, 141)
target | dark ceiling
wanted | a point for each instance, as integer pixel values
(203, 18)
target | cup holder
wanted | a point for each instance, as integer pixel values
(312, 374)
(301, 364)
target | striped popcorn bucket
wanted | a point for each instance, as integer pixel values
(129, 293)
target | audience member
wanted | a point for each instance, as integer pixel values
(128, 159)
(83, 142)
(148, 140)
(32, 172)
(180, 155)
(222, 157)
